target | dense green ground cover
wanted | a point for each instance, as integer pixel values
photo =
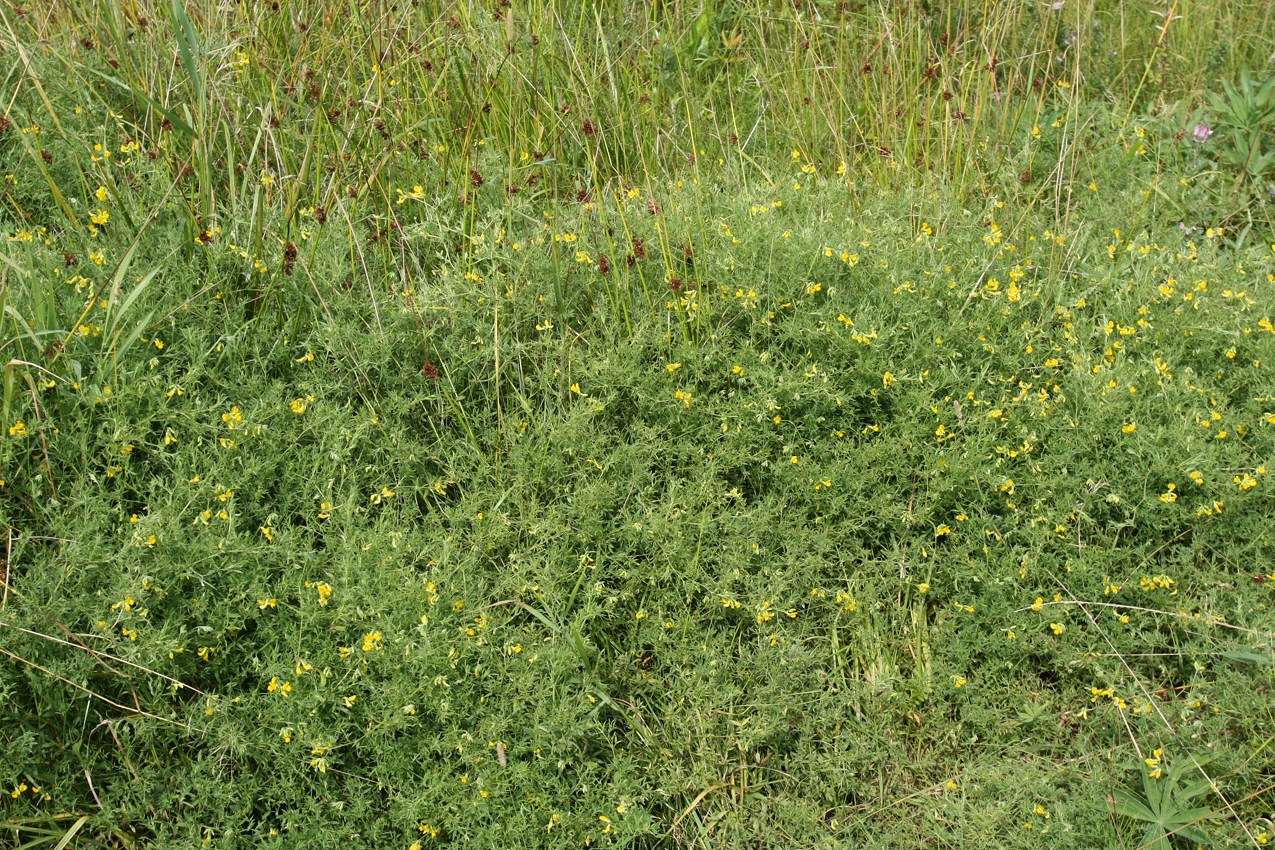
(380, 469)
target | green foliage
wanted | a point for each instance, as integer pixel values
(1246, 118)
(648, 434)
(1165, 804)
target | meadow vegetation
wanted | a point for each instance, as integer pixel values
(651, 425)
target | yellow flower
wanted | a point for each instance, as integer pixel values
(323, 589)
(1129, 428)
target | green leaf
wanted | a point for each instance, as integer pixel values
(1187, 816)
(70, 833)
(1131, 806)
(1153, 839)
(187, 44)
